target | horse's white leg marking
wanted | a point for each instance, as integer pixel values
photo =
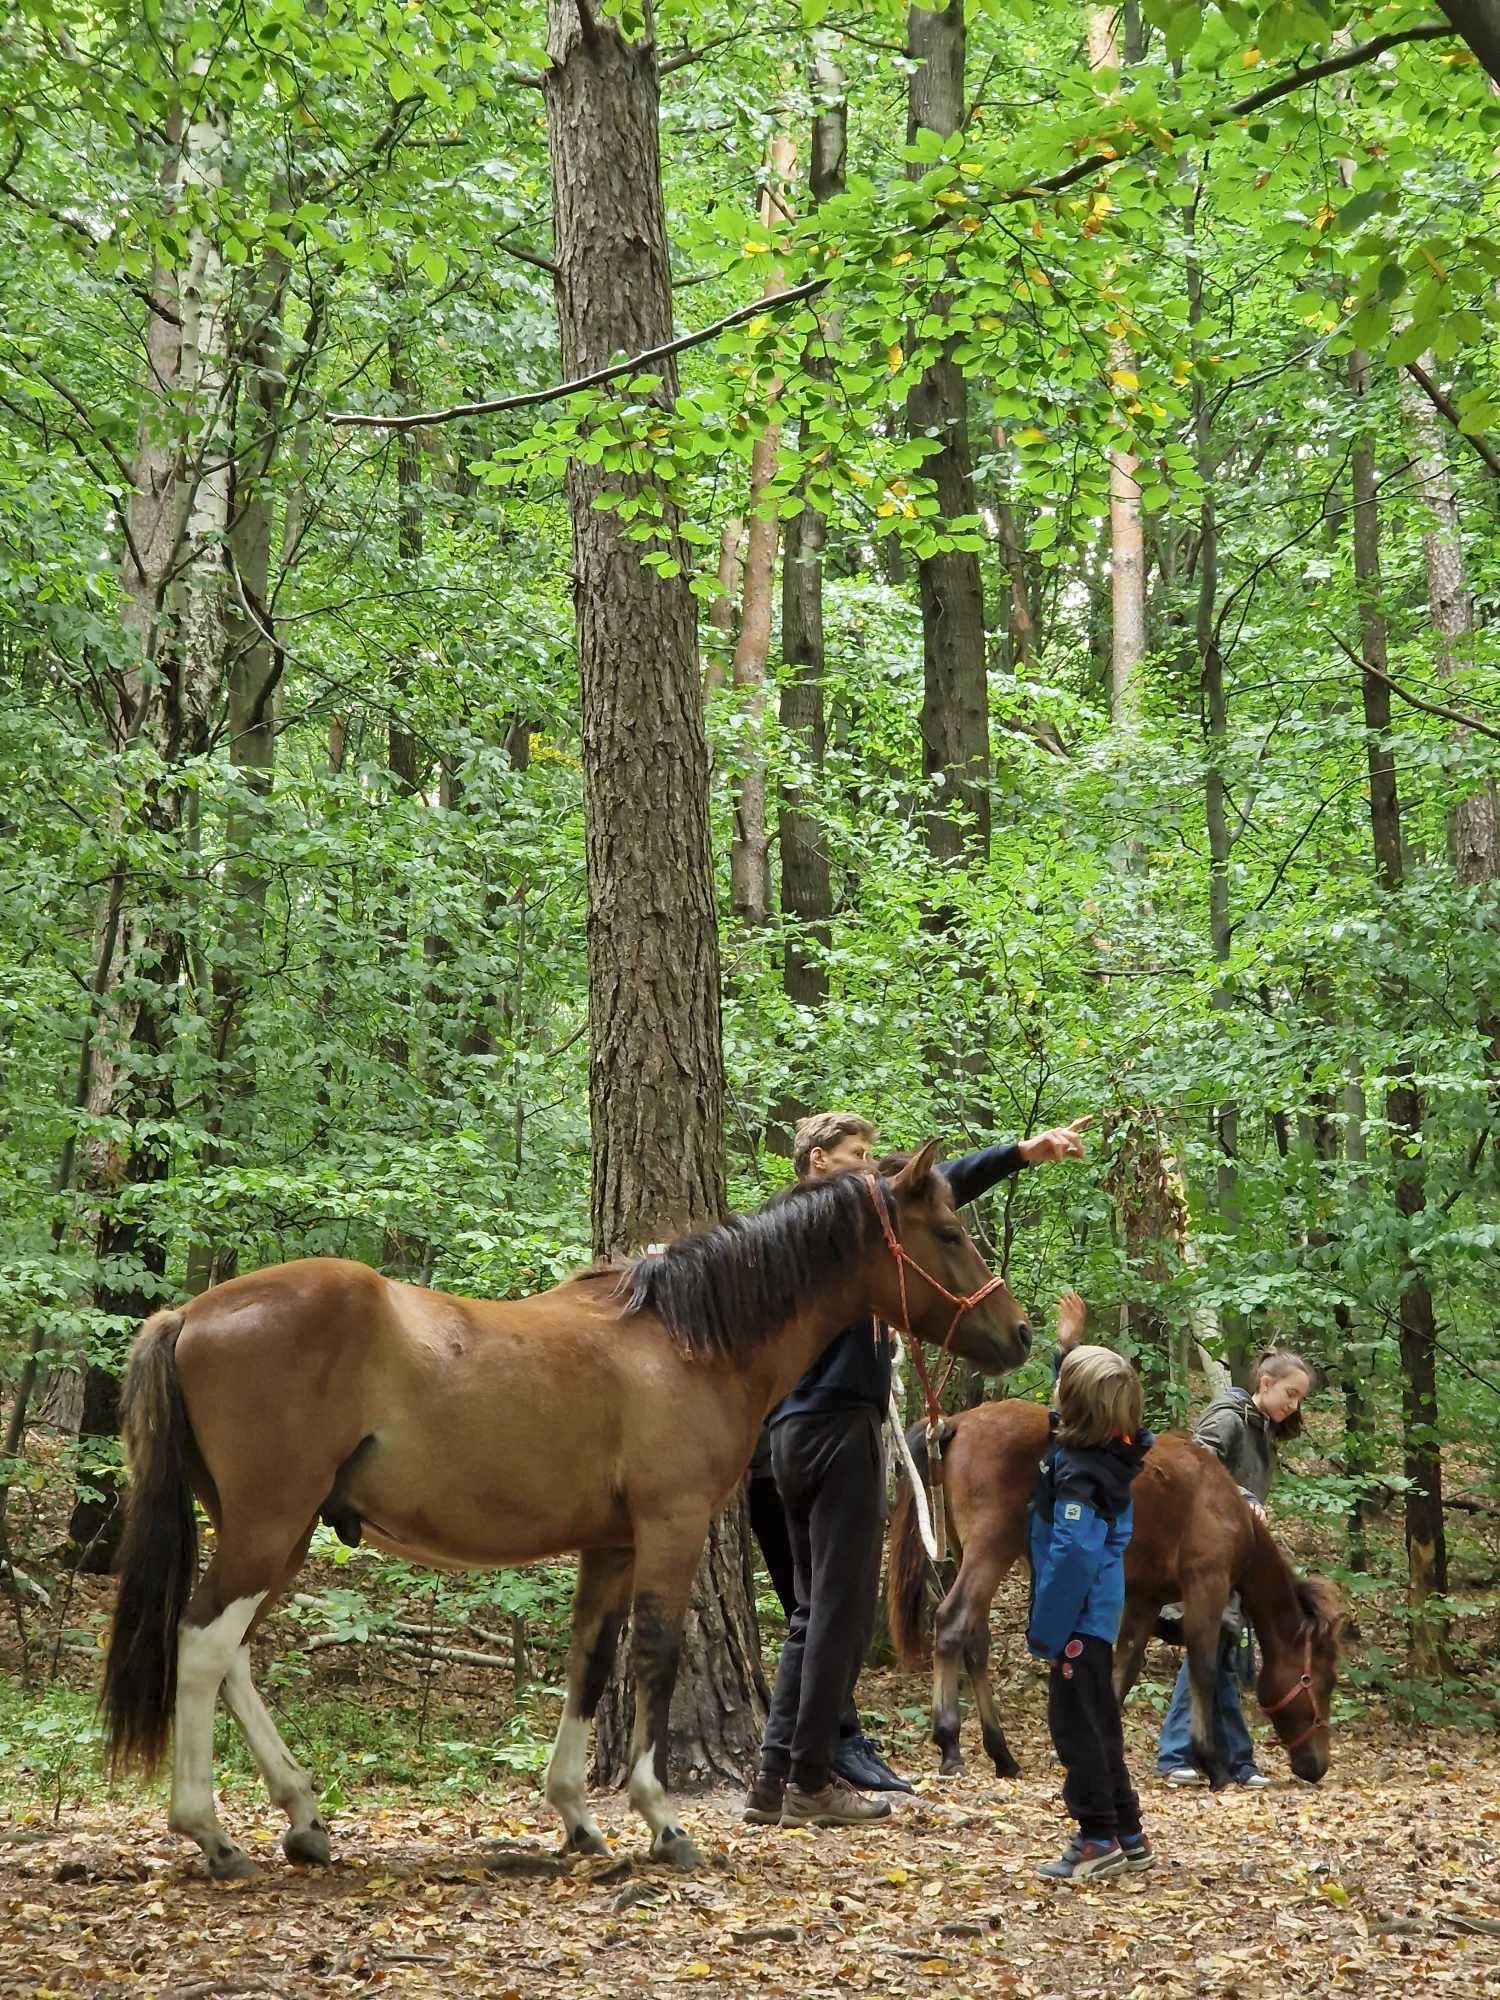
(205, 1654)
(289, 1785)
(567, 1775)
(647, 1794)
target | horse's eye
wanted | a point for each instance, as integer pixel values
(953, 1236)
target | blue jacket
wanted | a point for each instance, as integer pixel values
(854, 1370)
(1079, 1529)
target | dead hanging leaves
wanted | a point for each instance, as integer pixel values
(1381, 1882)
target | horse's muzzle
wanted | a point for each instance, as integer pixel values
(1310, 1765)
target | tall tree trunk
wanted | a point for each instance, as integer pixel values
(806, 887)
(656, 1068)
(721, 611)
(1215, 787)
(1426, 1547)
(252, 673)
(1127, 539)
(750, 850)
(955, 689)
(174, 608)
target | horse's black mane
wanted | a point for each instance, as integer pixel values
(724, 1291)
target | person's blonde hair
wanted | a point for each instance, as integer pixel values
(825, 1129)
(1098, 1397)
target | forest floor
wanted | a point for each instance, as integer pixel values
(1383, 1880)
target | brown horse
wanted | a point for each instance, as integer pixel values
(1193, 1540)
(613, 1415)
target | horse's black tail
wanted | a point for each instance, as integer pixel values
(906, 1601)
(158, 1553)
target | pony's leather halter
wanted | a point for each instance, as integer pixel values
(1302, 1685)
(960, 1306)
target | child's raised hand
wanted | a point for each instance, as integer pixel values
(1072, 1317)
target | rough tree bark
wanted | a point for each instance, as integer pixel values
(806, 887)
(656, 1076)
(1426, 1545)
(750, 850)
(955, 689)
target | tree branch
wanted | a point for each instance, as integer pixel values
(1415, 701)
(686, 56)
(798, 293)
(1448, 408)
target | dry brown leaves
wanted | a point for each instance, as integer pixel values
(1385, 1880)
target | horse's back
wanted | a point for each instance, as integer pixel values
(989, 1469)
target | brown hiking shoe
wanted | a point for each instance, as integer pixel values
(763, 1801)
(838, 1804)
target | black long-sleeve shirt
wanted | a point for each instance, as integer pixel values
(854, 1370)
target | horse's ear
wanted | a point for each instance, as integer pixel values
(917, 1172)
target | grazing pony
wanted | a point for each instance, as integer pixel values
(1193, 1540)
(614, 1415)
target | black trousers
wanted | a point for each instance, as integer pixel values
(769, 1525)
(832, 1485)
(1084, 1718)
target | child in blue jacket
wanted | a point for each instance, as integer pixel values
(1079, 1528)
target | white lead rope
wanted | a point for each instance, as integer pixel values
(903, 1452)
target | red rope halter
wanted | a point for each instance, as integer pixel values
(960, 1306)
(1302, 1685)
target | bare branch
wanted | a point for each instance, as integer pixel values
(796, 296)
(1415, 701)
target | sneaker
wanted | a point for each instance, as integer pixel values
(860, 1764)
(1185, 1774)
(1138, 1855)
(1085, 1861)
(838, 1804)
(763, 1801)
(1253, 1781)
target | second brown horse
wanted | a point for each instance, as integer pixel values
(1194, 1540)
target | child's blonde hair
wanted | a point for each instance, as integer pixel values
(1098, 1397)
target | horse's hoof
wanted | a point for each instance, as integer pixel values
(1007, 1767)
(951, 1765)
(308, 1845)
(674, 1846)
(585, 1840)
(231, 1864)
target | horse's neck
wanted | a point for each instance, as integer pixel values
(781, 1361)
(1268, 1589)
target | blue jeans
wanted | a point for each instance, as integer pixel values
(1232, 1741)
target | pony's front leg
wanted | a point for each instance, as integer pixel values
(1130, 1649)
(663, 1579)
(1200, 1631)
(599, 1604)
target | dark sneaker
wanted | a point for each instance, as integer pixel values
(838, 1804)
(860, 1764)
(1085, 1861)
(763, 1801)
(1137, 1848)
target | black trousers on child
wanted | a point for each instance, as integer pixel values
(1084, 1718)
(832, 1485)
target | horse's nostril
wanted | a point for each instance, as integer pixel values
(1025, 1335)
